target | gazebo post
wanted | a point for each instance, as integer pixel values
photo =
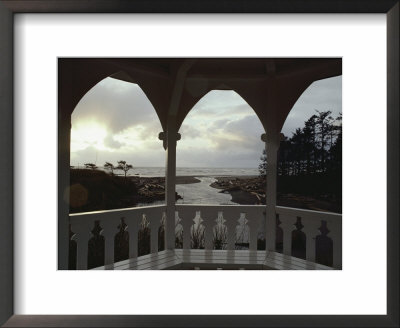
(271, 147)
(170, 180)
(64, 136)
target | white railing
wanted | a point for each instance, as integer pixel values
(245, 221)
(108, 225)
(239, 226)
(311, 221)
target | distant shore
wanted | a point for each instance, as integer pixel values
(250, 190)
(161, 180)
(95, 190)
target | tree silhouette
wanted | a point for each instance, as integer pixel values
(109, 166)
(262, 168)
(90, 166)
(122, 165)
(311, 159)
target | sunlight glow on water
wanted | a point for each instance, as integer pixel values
(202, 193)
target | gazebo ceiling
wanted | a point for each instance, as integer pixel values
(271, 86)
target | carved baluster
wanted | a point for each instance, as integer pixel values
(179, 231)
(208, 217)
(324, 246)
(220, 232)
(254, 225)
(311, 229)
(187, 219)
(242, 232)
(96, 251)
(144, 238)
(110, 229)
(335, 227)
(82, 236)
(121, 242)
(72, 250)
(133, 229)
(161, 232)
(231, 222)
(287, 225)
(154, 223)
(197, 232)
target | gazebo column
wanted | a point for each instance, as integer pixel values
(170, 139)
(64, 136)
(271, 148)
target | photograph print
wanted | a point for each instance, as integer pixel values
(200, 163)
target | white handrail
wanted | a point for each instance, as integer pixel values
(248, 220)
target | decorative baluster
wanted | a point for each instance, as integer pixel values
(335, 227)
(208, 216)
(133, 229)
(197, 232)
(96, 252)
(72, 250)
(187, 219)
(220, 232)
(110, 228)
(323, 246)
(82, 236)
(254, 225)
(287, 225)
(242, 233)
(154, 222)
(161, 232)
(121, 242)
(311, 229)
(144, 238)
(179, 231)
(279, 235)
(230, 216)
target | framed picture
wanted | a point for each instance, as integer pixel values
(11, 274)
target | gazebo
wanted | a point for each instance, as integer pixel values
(271, 86)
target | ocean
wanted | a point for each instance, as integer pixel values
(201, 192)
(186, 171)
(193, 171)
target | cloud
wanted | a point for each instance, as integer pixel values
(110, 142)
(119, 104)
(221, 130)
(322, 95)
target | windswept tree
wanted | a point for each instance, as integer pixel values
(110, 167)
(90, 166)
(122, 165)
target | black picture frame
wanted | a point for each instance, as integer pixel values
(10, 7)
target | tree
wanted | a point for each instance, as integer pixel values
(314, 149)
(91, 166)
(122, 165)
(109, 166)
(262, 168)
(324, 125)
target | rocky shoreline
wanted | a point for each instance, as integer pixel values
(151, 189)
(245, 190)
(250, 190)
(92, 190)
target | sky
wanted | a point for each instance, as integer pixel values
(116, 121)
